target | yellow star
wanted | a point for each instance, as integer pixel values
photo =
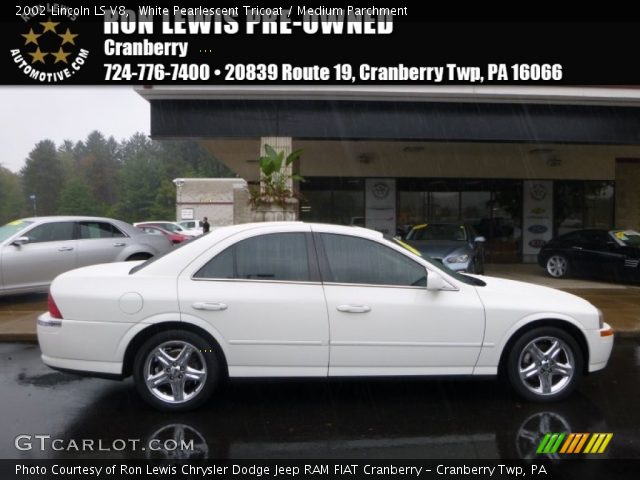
(68, 37)
(49, 26)
(31, 37)
(38, 56)
(61, 56)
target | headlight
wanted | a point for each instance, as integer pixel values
(600, 319)
(458, 259)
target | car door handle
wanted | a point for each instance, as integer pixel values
(354, 308)
(119, 244)
(211, 307)
(65, 249)
(576, 248)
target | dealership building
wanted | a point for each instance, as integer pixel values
(520, 164)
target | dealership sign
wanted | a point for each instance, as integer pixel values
(538, 216)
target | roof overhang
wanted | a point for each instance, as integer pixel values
(603, 96)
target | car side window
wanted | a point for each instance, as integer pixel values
(277, 256)
(361, 261)
(573, 237)
(89, 230)
(51, 232)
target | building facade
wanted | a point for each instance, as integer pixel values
(520, 164)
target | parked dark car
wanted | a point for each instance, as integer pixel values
(456, 245)
(613, 254)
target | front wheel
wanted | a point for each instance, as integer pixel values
(545, 364)
(176, 371)
(558, 266)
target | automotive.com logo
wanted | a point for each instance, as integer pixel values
(573, 443)
(48, 49)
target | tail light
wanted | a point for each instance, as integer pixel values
(54, 311)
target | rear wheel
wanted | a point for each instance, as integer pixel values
(558, 266)
(176, 371)
(545, 364)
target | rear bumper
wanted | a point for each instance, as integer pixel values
(82, 347)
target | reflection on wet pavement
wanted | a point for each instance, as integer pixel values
(402, 418)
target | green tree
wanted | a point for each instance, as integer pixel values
(139, 179)
(43, 176)
(98, 161)
(189, 159)
(76, 199)
(12, 201)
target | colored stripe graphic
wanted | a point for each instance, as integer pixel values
(543, 443)
(573, 443)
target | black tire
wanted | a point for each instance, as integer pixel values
(160, 357)
(549, 378)
(558, 266)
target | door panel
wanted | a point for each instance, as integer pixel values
(263, 295)
(50, 252)
(382, 319)
(269, 328)
(99, 242)
(404, 331)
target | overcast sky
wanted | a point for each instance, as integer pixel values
(31, 114)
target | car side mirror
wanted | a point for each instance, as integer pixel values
(435, 282)
(480, 240)
(18, 242)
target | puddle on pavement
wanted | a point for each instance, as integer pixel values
(52, 379)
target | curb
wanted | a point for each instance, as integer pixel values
(18, 338)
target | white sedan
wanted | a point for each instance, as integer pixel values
(307, 300)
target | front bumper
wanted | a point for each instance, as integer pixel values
(600, 346)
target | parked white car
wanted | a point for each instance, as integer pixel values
(307, 300)
(193, 227)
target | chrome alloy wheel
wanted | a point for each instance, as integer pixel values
(546, 365)
(175, 371)
(557, 266)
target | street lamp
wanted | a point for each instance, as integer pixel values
(179, 183)
(32, 197)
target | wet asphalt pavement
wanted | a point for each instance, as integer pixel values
(416, 418)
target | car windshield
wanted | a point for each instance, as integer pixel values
(435, 231)
(629, 238)
(440, 266)
(12, 228)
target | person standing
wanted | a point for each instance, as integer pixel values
(205, 226)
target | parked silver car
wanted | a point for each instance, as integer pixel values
(33, 251)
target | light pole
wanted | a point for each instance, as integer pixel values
(33, 200)
(179, 183)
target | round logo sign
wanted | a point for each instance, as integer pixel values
(49, 47)
(381, 190)
(537, 243)
(538, 191)
(538, 229)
